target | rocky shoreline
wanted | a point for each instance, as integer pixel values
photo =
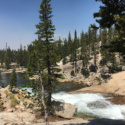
(23, 114)
(20, 70)
(19, 108)
(114, 86)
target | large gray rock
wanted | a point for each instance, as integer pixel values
(118, 60)
(109, 65)
(65, 110)
(105, 69)
(98, 104)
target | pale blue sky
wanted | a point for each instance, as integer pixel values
(19, 17)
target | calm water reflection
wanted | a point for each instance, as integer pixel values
(20, 80)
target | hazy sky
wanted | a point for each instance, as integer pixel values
(19, 17)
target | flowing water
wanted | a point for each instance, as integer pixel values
(93, 104)
(89, 104)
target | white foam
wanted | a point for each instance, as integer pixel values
(28, 90)
(104, 109)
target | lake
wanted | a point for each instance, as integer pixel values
(20, 80)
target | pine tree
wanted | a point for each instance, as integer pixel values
(0, 76)
(2, 57)
(113, 13)
(43, 58)
(82, 38)
(20, 56)
(94, 45)
(59, 48)
(74, 52)
(70, 47)
(7, 61)
(84, 55)
(25, 57)
(110, 34)
(65, 51)
(13, 80)
(65, 48)
(90, 37)
(114, 64)
(104, 51)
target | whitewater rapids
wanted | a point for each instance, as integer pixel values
(94, 104)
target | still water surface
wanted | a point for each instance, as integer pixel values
(20, 80)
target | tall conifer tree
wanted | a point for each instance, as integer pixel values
(84, 55)
(13, 80)
(95, 45)
(74, 52)
(43, 57)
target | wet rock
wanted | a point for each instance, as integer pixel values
(117, 100)
(98, 104)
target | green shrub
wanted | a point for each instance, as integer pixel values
(83, 115)
(1, 106)
(62, 77)
(31, 105)
(14, 101)
(25, 104)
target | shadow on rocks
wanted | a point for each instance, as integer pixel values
(102, 121)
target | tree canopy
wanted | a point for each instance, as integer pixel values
(113, 13)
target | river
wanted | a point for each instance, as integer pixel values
(95, 105)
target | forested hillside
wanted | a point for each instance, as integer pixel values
(83, 56)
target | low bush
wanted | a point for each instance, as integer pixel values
(14, 101)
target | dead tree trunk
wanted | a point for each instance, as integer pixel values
(43, 97)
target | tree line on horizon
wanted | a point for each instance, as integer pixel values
(70, 49)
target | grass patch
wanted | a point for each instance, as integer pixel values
(31, 105)
(20, 97)
(25, 104)
(1, 106)
(14, 101)
(83, 115)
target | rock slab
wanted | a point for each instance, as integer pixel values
(65, 110)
